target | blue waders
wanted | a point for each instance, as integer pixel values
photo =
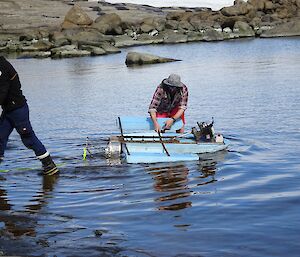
(19, 119)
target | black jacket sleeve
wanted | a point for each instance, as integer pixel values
(4, 80)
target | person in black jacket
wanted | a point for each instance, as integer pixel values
(15, 115)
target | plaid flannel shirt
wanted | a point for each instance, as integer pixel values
(161, 101)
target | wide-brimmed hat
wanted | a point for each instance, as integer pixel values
(173, 80)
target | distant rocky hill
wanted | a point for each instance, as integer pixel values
(57, 29)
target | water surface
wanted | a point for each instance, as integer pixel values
(241, 202)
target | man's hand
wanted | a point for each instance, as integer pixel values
(157, 127)
(169, 123)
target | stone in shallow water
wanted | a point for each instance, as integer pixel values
(135, 58)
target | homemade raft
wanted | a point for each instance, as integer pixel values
(139, 143)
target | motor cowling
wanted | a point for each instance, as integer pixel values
(206, 133)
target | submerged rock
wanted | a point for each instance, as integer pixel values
(134, 58)
(68, 51)
(45, 54)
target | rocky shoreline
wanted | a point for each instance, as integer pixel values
(66, 28)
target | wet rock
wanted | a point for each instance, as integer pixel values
(39, 46)
(68, 51)
(126, 41)
(134, 58)
(35, 54)
(94, 50)
(109, 49)
(174, 37)
(110, 24)
(149, 39)
(13, 46)
(58, 39)
(76, 16)
(194, 36)
(90, 37)
(228, 34)
(213, 35)
(243, 29)
(288, 29)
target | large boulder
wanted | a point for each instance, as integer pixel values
(110, 24)
(134, 58)
(243, 29)
(259, 5)
(241, 8)
(149, 24)
(288, 29)
(76, 17)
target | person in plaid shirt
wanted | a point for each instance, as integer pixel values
(169, 101)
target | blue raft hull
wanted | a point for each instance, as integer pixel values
(152, 151)
(139, 143)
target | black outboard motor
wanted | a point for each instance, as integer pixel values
(205, 133)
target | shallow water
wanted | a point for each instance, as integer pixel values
(241, 202)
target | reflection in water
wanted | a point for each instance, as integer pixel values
(16, 224)
(173, 180)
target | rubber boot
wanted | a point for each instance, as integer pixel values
(49, 167)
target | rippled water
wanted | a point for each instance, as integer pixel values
(242, 202)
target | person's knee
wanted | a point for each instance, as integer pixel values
(27, 135)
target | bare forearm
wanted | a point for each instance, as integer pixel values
(178, 114)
